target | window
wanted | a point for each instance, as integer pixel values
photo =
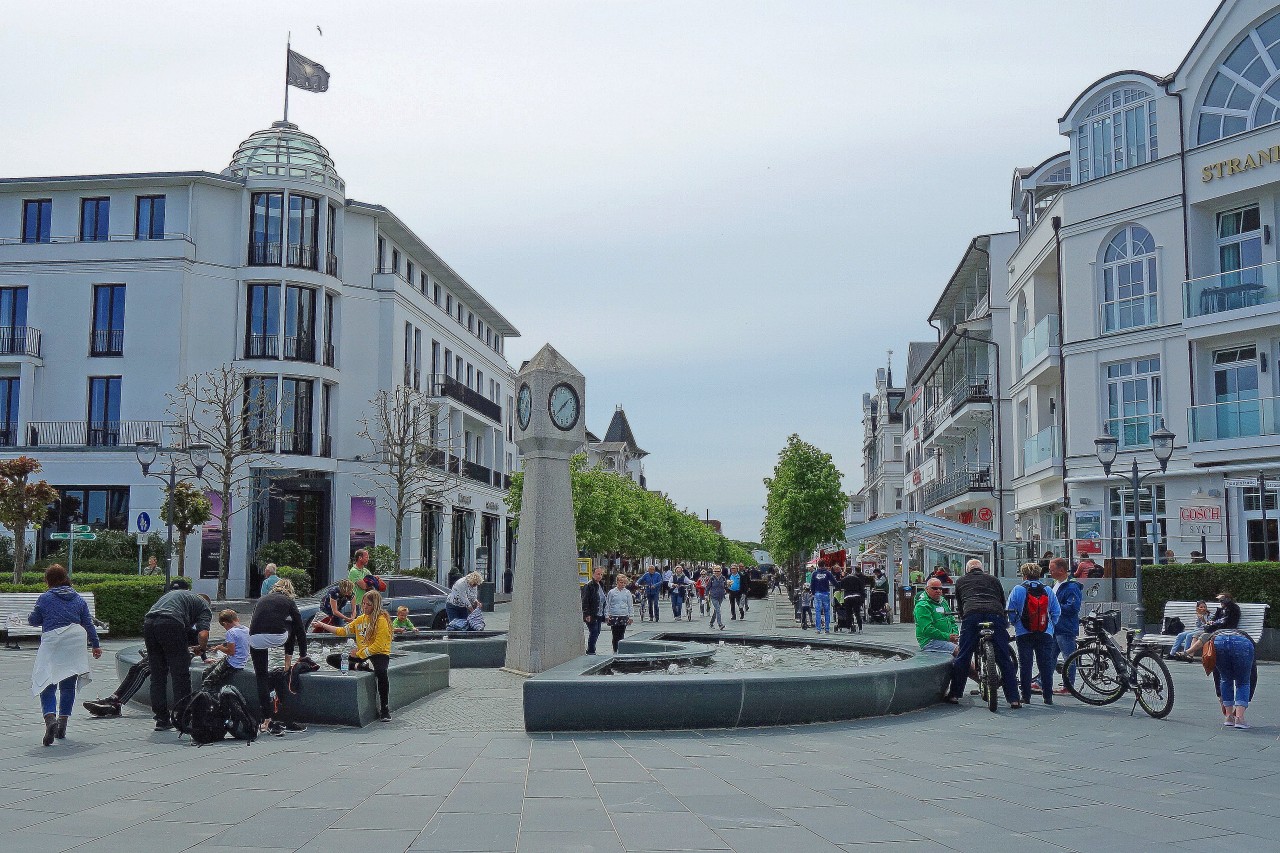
(424, 283)
(13, 319)
(94, 217)
(107, 337)
(435, 357)
(104, 411)
(1134, 405)
(435, 294)
(480, 330)
(9, 387)
(295, 416)
(459, 313)
(266, 226)
(469, 376)
(1124, 515)
(37, 215)
(1118, 133)
(417, 359)
(448, 304)
(260, 413)
(100, 507)
(471, 322)
(329, 303)
(1129, 281)
(497, 342)
(1239, 243)
(448, 362)
(149, 222)
(511, 433)
(1237, 410)
(1245, 90)
(395, 261)
(262, 326)
(331, 241)
(409, 270)
(299, 323)
(304, 231)
(457, 364)
(326, 409)
(408, 354)
(480, 381)
(382, 253)
(897, 499)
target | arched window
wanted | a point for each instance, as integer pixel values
(1129, 280)
(1245, 92)
(1118, 133)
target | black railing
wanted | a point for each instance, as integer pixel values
(326, 446)
(106, 342)
(455, 465)
(262, 346)
(443, 384)
(19, 340)
(331, 264)
(330, 356)
(476, 471)
(304, 257)
(299, 348)
(264, 254)
(94, 433)
(927, 424)
(957, 483)
(970, 389)
(259, 439)
(295, 442)
(8, 435)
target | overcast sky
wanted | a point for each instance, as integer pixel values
(724, 213)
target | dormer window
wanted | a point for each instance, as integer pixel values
(1118, 133)
(1245, 92)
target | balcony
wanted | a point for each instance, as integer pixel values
(95, 433)
(264, 253)
(1041, 449)
(476, 471)
(1243, 419)
(974, 479)
(330, 357)
(303, 257)
(1229, 292)
(295, 442)
(299, 348)
(262, 346)
(1040, 342)
(970, 389)
(8, 435)
(106, 342)
(444, 385)
(20, 340)
(331, 264)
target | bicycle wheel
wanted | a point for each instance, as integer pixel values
(1097, 681)
(990, 676)
(1155, 686)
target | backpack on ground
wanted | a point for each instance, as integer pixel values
(239, 721)
(1035, 609)
(200, 718)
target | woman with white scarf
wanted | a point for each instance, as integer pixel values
(61, 662)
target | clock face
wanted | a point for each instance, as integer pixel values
(524, 406)
(563, 405)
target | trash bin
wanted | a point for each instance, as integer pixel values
(906, 605)
(486, 595)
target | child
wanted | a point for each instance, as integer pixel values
(700, 587)
(235, 648)
(806, 607)
(402, 624)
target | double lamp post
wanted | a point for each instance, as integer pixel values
(197, 455)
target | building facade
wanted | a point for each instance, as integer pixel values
(116, 288)
(882, 492)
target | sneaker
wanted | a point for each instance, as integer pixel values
(1228, 722)
(294, 727)
(164, 726)
(1243, 725)
(1061, 691)
(276, 729)
(103, 708)
(385, 716)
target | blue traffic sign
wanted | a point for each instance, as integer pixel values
(144, 522)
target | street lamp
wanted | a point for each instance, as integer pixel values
(1107, 446)
(147, 450)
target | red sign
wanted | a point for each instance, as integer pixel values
(1200, 513)
(915, 477)
(984, 514)
(965, 516)
(1088, 546)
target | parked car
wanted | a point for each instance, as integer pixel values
(424, 599)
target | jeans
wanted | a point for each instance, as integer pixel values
(806, 616)
(65, 691)
(939, 646)
(652, 598)
(1042, 646)
(166, 641)
(677, 602)
(1183, 641)
(618, 629)
(969, 643)
(715, 611)
(822, 610)
(1235, 662)
(1066, 644)
(593, 633)
(453, 611)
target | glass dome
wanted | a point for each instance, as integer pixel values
(284, 151)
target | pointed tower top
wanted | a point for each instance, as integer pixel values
(548, 358)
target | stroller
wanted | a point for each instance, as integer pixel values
(845, 617)
(878, 608)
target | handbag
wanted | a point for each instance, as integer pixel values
(1208, 656)
(1172, 626)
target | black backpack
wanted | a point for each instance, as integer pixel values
(240, 722)
(208, 717)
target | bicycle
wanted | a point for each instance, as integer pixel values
(1104, 671)
(988, 669)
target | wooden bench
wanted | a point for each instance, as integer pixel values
(1251, 619)
(15, 607)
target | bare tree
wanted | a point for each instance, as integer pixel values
(411, 450)
(237, 419)
(22, 502)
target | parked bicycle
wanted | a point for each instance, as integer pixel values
(988, 670)
(1104, 671)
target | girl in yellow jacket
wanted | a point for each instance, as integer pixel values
(372, 633)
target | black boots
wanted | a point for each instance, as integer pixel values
(109, 707)
(50, 728)
(62, 728)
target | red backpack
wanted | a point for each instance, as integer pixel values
(1035, 610)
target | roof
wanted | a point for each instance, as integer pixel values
(918, 353)
(284, 151)
(592, 438)
(620, 430)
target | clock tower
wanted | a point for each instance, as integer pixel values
(546, 613)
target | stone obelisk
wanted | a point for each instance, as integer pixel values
(546, 614)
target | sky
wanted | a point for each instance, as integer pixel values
(723, 213)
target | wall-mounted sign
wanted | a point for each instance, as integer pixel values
(1200, 513)
(985, 514)
(1236, 165)
(1089, 532)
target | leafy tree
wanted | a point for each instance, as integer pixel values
(286, 552)
(804, 507)
(191, 509)
(21, 503)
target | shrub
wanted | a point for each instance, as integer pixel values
(120, 602)
(93, 565)
(284, 553)
(1253, 583)
(300, 578)
(111, 545)
(383, 560)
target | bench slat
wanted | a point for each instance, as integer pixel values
(15, 607)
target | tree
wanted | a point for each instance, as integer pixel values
(21, 503)
(234, 416)
(804, 507)
(411, 461)
(191, 509)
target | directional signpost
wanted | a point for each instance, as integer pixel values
(80, 532)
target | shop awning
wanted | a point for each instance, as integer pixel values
(940, 532)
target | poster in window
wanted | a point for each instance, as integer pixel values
(1089, 532)
(211, 538)
(364, 514)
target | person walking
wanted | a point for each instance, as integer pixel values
(980, 598)
(66, 630)
(617, 609)
(678, 589)
(165, 630)
(820, 584)
(717, 588)
(735, 590)
(651, 583)
(269, 579)
(1070, 595)
(276, 622)
(1034, 610)
(593, 606)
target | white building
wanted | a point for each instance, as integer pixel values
(115, 288)
(618, 451)
(881, 491)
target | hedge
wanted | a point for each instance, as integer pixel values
(300, 578)
(92, 565)
(80, 578)
(120, 602)
(1253, 583)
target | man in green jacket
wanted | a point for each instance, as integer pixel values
(936, 629)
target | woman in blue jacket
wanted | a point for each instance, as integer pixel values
(66, 630)
(1034, 640)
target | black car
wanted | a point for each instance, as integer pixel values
(424, 599)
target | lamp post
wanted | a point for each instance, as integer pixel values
(962, 330)
(1162, 447)
(147, 451)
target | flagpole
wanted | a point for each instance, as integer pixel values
(288, 47)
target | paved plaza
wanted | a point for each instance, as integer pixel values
(456, 773)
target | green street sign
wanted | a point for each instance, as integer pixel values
(79, 528)
(79, 537)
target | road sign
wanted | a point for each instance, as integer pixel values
(1273, 484)
(80, 528)
(79, 537)
(144, 522)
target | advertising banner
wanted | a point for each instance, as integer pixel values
(1089, 532)
(364, 521)
(211, 538)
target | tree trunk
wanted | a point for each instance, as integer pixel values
(224, 543)
(19, 552)
(399, 533)
(182, 553)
